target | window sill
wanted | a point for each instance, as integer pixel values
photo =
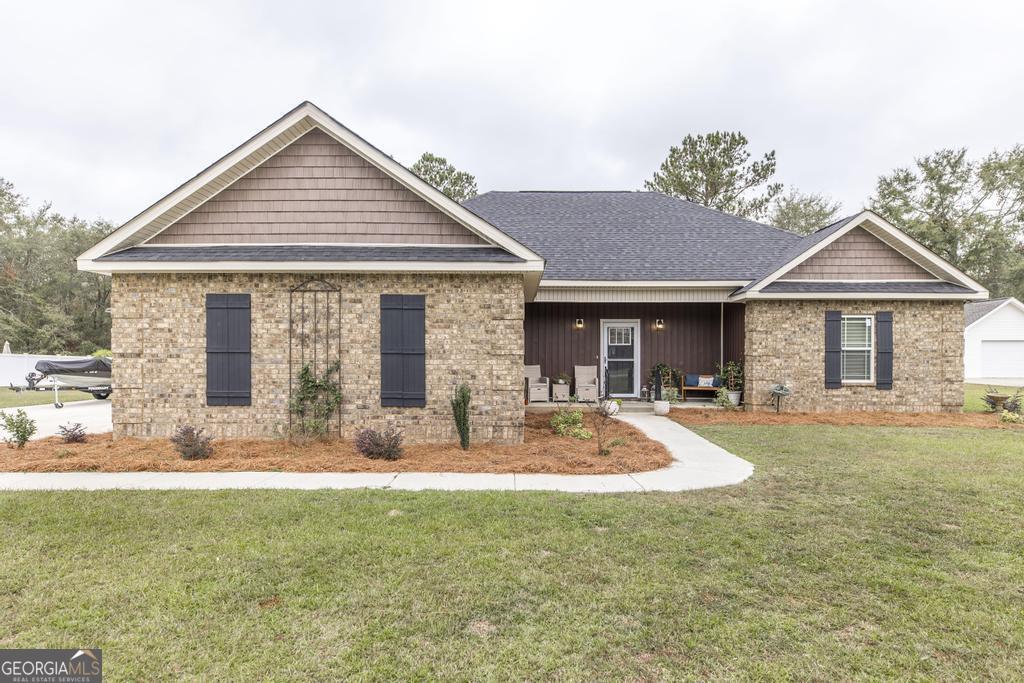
(858, 382)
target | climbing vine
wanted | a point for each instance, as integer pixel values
(316, 399)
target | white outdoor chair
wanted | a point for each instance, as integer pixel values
(538, 388)
(586, 382)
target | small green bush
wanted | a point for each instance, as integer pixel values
(191, 443)
(19, 427)
(386, 445)
(581, 433)
(615, 443)
(1012, 417)
(722, 399)
(670, 394)
(460, 410)
(564, 421)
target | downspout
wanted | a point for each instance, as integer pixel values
(721, 334)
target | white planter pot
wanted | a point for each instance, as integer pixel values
(734, 396)
(661, 407)
(612, 407)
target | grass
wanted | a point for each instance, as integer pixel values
(16, 399)
(974, 392)
(854, 552)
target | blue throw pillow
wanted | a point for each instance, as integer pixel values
(692, 380)
(718, 381)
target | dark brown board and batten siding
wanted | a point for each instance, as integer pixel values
(316, 190)
(689, 341)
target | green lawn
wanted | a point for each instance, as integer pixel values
(854, 552)
(974, 392)
(18, 399)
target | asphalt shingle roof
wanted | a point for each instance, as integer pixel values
(324, 252)
(632, 235)
(976, 310)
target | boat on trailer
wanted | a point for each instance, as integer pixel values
(91, 375)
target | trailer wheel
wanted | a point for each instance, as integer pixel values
(101, 395)
(58, 404)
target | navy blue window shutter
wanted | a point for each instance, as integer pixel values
(403, 375)
(883, 350)
(833, 349)
(228, 350)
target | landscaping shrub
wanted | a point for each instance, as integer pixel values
(73, 432)
(722, 399)
(670, 394)
(602, 416)
(315, 400)
(460, 409)
(191, 443)
(386, 445)
(563, 421)
(20, 428)
(1012, 417)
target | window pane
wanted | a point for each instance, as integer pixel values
(856, 365)
(856, 332)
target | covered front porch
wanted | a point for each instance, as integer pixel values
(626, 340)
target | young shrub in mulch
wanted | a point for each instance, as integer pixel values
(191, 443)
(570, 423)
(19, 427)
(602, 416)
(72, 432)
(722, 399)
(386, 445)
(460, 410)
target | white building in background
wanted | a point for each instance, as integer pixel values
(994, 342)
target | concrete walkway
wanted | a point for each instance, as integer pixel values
(94, 416)
(697, 464)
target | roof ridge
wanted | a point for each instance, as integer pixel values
(723, 213)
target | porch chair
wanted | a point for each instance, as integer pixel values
(538, 388)
(586, 382)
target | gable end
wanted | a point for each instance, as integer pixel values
(316, 190)
(858, 255)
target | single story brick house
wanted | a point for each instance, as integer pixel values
(307, 246)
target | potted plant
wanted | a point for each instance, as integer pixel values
(562, 378)
(731, 376)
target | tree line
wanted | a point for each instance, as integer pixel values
(46, 304)
(968, 210)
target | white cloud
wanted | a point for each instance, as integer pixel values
(108, 106)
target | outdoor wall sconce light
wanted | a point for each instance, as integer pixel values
(659, 324)
(579, 323)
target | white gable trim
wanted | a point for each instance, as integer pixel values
(1011, 301)
(279, 134)
(890, 234)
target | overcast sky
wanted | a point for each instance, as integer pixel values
(106, 107)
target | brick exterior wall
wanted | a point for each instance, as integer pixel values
(474, 333)
(785, 342)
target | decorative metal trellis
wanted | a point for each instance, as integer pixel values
(314, 336)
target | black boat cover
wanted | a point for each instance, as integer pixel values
(85, 366)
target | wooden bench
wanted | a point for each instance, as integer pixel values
(704, 391)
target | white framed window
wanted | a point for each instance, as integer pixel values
(858, 349)
(620, 336)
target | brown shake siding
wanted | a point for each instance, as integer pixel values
(316, 190)
(858, 255)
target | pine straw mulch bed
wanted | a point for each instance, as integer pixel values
(688, 417)
(541, 451)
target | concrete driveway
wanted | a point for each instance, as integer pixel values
(94, 415)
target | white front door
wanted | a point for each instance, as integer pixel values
(620, 357)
